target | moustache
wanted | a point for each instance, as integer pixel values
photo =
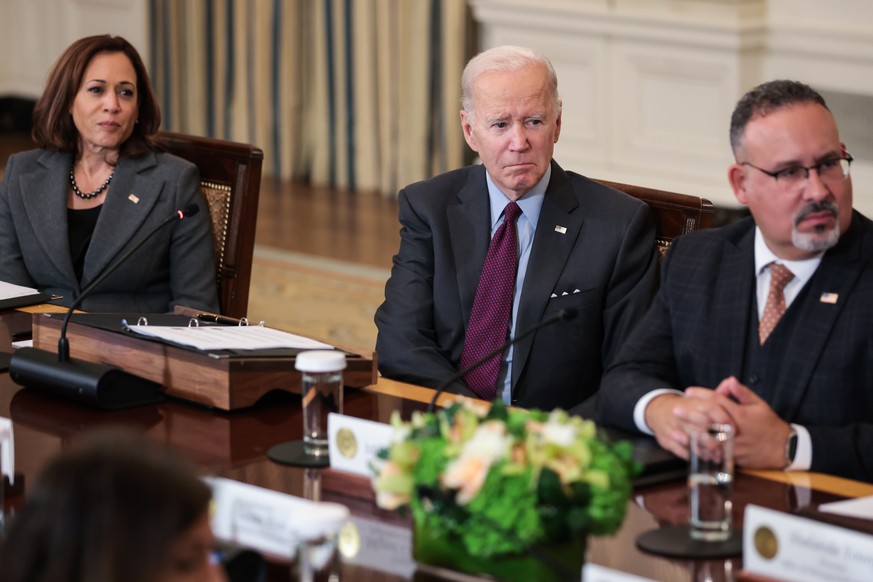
(823, 206)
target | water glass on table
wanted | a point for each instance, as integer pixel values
(322, 393)
(710, 482)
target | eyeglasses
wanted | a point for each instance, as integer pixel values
(792, 178)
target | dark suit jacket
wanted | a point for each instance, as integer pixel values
(175, 267)
(696, 331)
(607, 253)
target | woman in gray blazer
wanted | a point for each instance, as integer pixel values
(96, 187)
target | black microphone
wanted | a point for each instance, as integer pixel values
(102, 385)
(560, 315)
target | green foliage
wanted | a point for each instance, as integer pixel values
(503, 479)
(503, 517)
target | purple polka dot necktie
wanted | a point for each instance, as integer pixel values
(492, 308)
(775, 306)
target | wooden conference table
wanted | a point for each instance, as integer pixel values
(235, 444)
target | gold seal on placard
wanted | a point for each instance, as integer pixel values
(346, 443)
(349, 540)
(766, 542)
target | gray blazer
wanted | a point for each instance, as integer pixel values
(606, 250)
(175, 267)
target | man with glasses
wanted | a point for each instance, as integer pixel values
(766, 324)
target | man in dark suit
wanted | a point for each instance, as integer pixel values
(580, 245)
(798, 388)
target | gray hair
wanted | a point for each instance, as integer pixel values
(505, 59)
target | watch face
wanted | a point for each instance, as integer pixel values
(791, 448)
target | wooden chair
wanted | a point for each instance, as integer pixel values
(230, 176)
(675, 214)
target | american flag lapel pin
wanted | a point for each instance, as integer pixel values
(560, 229)
(830, 298)
(133, 198)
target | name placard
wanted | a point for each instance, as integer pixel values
(354, 442)
(7, 450)
(270, 521)
(788, 547)
(597, 573)
(379, 546)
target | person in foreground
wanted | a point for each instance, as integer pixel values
(713, 348)
(116, 507)
(96, 185)
(489, 251)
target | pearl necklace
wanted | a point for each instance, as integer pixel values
(93, 194)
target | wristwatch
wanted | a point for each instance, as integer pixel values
(790, 447)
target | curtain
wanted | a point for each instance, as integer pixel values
(356, 94)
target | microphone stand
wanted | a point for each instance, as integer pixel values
(95, 384)
(560, 315)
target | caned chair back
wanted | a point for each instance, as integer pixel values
(675, 214)
(230, 176)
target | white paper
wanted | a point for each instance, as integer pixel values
(7, 450)
(861, 507)
(231, 337)
(10, 291)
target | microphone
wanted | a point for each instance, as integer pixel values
(101, 385)
(560, 315)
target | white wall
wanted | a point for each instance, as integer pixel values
(649, 85)
(34, 33)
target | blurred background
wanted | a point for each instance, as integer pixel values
(353, 99)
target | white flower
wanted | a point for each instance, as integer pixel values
(400, 434)
(478, 407)
(562, 435)
(392, 486)
(390, 501)
(467, 473)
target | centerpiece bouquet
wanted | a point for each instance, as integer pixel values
(508, 492)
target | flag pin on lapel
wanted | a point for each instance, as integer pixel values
(560, 229)
(133, 198)
(830, 298)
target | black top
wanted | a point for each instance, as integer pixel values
(80, 227)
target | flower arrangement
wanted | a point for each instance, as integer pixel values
(503, 480)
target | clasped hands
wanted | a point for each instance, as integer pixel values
(760, 435)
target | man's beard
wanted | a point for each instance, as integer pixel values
(819, 239)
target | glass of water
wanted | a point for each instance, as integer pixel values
(710, 482)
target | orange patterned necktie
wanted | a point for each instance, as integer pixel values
(775, 307)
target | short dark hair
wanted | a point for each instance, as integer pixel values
(107, 510)
(53, 126)
(766, 98)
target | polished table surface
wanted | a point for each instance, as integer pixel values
(235, 444)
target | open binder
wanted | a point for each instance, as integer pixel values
(223, 380)
(134, 324)
(15, 296)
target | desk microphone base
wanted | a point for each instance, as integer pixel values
(294, 453)
(676, 542)
(88, 383)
